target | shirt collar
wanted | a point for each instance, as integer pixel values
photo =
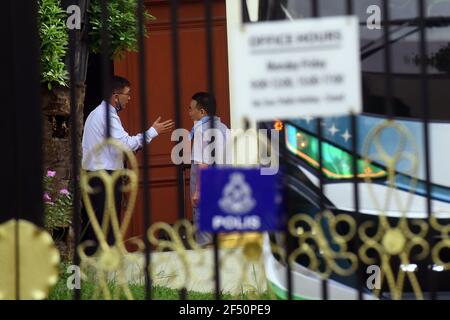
(112, 108)
(201, 122)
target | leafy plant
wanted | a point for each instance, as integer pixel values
(54, 42)
(57, 204)
(122, 26)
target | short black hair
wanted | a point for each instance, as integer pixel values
(118, 84)
(206, 101)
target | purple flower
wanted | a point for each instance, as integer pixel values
(64, 191)
(47, 197)
(51, 173)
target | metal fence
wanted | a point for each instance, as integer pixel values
(317, 240)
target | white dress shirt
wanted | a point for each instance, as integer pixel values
(108, 157)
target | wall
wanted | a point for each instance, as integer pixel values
(160, 94)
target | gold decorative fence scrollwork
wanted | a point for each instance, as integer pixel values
(177, 270)
(110, 258)
(382, 240)
(189, 264)
(394, 241)
(442, 244)
(311, 238)
(186, 264)
(318, 238)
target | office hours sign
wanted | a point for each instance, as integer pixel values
(292, 69)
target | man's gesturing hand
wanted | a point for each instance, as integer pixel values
(163, 127)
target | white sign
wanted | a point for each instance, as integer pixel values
(292, 69)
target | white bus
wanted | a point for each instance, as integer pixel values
(406, 184)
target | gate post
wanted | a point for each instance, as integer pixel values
(20, 129)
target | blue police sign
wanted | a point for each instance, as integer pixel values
(233, 200)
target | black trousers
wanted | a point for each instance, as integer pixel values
(98, 199)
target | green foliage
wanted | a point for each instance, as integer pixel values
(57, 204)
(122, 26)
(54, 42)
(88, 288)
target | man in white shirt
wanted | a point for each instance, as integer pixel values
(202, 107)
(108, 157)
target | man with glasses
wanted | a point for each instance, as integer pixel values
(108, 157)
(201, 109)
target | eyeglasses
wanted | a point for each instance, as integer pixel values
(127, 94)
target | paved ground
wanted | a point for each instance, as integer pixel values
(194, 269)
